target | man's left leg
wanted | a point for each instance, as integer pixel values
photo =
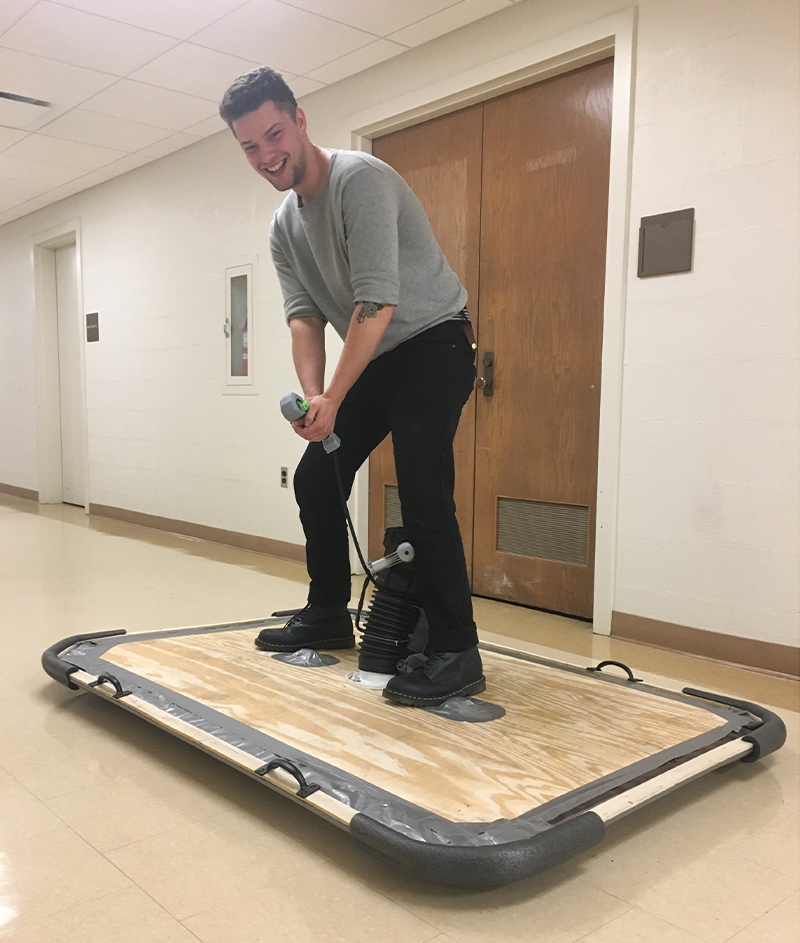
(436, 375)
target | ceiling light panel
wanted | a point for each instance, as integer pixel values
(67, 35)
(378, 16)
(194, 70)
(267, 32)
(160, 107)
(179, 18)
(105, 131)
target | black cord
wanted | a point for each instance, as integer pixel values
(370, 578)
(361, 605)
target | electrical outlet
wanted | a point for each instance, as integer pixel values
(284, 477)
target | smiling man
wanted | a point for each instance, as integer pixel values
(353, 248)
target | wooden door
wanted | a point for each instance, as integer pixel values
(441, 162)
(517, 193)
(542, 271)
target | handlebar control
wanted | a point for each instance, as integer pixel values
(294, 407)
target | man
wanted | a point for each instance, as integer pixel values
(352, 247)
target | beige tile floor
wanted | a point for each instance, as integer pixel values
(113, 831)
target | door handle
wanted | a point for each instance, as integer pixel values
(486, 382)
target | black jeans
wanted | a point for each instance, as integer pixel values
(416, 392)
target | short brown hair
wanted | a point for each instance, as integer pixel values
(251, 90)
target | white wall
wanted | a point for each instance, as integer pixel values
(163, 437)
(709, 465)
(708, 492)
(17, 374)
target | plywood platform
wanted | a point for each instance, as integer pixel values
(465, 803)
(561, 730)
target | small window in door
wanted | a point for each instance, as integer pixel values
(238, 325)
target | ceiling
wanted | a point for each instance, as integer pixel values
(119, 83)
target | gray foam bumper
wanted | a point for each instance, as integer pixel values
(767, 738)
(483, 865)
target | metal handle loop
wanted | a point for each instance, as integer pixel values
(280, 762)
(110, 679)
(617, 664)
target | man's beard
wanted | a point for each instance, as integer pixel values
(298, 171)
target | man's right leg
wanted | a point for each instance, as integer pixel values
(325, 622)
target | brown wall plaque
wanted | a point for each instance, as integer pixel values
(665, 243)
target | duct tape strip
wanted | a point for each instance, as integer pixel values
(306, 658)
(469, 710)
(400, 815)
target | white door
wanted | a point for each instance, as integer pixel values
(69, 377)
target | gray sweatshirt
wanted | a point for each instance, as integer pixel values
(364, 237)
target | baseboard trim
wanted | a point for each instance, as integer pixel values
(750, 653)
(272, 548)
(16, 492)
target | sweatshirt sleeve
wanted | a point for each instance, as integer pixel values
(370, 212)
(297, 302)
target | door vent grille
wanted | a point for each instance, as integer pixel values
(392, 514)
(557, 532)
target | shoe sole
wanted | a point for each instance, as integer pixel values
(325, 643)
(474, 687)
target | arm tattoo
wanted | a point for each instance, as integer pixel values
(369, 309)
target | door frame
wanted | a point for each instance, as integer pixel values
(48, 395)
(611, 35)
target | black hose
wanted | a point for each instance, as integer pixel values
(370, 578)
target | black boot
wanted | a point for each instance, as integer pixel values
(441, 676)
(313, 627)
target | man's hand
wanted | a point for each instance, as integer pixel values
(308, 350)
(319, 420)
